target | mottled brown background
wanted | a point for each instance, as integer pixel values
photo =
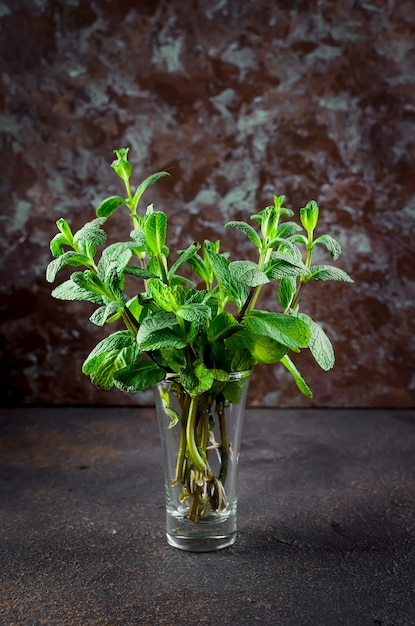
(239, 100)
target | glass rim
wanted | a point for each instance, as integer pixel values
(233, 376)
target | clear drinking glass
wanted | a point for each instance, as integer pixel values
(200, 439)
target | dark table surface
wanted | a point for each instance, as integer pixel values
(326, 522)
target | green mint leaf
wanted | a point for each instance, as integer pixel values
(158, 331)
(299, 380)
(74, 259)
(286, 290)
(116, 255)
(158, 320)
(268, 220)
(248, 230)
(107, 364)
(167, 298)
(145, 184)
(155, 230)
(164, 338)
(285, 229)
(109, 206)
(247, 273)
(205, 378)
(198, 313)
(298, 239)
(91, 232)
(332, 246)
(70, 291)
(101, 315)
(65, 229)
(241, 361)
(184, 257)
(284, 264)
(320, 345)
(114, 342)
(309, 216)
(222, 326)
(139, 272)
(287, 246)
(138, 376)
(89, 280)
(139, 237)
(263, 349)
(288, 330)
(121, 165)
(328, 272)
(234, 289)
(57, 243)
(200, 268)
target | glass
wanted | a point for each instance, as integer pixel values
(200, 439)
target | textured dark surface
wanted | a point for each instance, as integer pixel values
(326, 522)
(238, 100)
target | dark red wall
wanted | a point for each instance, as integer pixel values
(239, 101)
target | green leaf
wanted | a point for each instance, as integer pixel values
(234, 289)
(165, 338)
(222, 326)
(91, 232)
(65, 229)
(109, 363)
(195, 312)
(121, 165)
(184, 256)
(247, 273)
(139, 237)
(114, 282)
(155, 230)
(101, 315)
(116, 256)
(287, 246)
(263, 349)
(74, 259)
(57, 243)
(139, 272)
(328, 272)
(200, 268)
(320, 345)
(108, 206)
(286, 329)
(145, 184)
(71, 291)
(158, 331)
(286, 290)
(157, 321)
(309, 216)
(302, 239)
(248, 230)
(138, 376)
(205, 377)
(89, 280)
(299, 380)
(283, 264)
(285, 229)
(241, 361)
(162, 295)
(332, 246)
(114, 342)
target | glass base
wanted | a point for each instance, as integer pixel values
(215, 532)
(201, 544)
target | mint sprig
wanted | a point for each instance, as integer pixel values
(195, 329)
